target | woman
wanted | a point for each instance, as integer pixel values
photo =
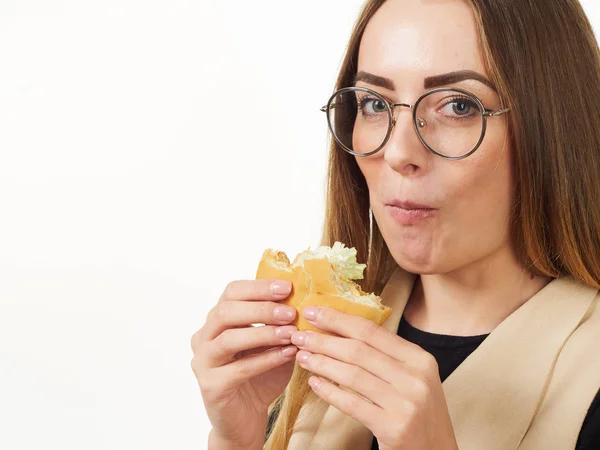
(470, 135)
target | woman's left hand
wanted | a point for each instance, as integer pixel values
(397, 394)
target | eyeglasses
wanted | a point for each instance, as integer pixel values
(450, 122)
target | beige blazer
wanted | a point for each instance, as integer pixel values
(528, 386)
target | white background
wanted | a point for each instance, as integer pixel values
(149, 152)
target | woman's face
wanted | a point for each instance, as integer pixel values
(406, 42)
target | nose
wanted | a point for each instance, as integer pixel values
(404, 152)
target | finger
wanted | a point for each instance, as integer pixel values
(352, 351)
(264, 289)
(361, 329)
(231, 314)
(349, 376)
(267, 289)
(348, 402)
(243, 369)
(227, 347)
(255, 351)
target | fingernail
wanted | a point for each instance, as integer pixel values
(289, 351)
(281, 288)
(299, 338)
(310, 312)
(285, 332)
(314, 382)
(303, 356)
(285, 312)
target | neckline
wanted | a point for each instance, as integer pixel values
(417, 336)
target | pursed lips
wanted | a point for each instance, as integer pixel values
(406, 212)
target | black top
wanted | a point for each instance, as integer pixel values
(451, 351)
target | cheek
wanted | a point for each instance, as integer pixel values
(491, 187)
(371, 168)
(483, 203)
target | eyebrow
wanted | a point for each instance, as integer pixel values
(430, 82)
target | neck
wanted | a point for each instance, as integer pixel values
(472, 300)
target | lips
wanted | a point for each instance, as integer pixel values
(409, 213)
(408, 205)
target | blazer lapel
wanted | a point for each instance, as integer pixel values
(495, 393)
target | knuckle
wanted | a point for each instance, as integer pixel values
(429, 363)
(199, 348)
(207, 386)
(229, 290)
(366, 330)
(199, 372)
(244, 369)
(195, 341)
(330, 317)
(351, 403)
(316, 363)
(195, 367)
(221, 312)
(324, 315)
(260, 288)
(211, 316)
(265, 309)
(355, 377)
(396, 434)
(223, 342)
(421, 390)
(356, 351)
(410, 409)
(314, 340)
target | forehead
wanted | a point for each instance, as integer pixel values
(407, 40)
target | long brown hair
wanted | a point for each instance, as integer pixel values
(544, 60)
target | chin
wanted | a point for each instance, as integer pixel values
(416, 268)
(415, 260)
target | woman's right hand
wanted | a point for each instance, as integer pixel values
(241, 369)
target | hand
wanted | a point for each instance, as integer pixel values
(397, 392)
(242, 369)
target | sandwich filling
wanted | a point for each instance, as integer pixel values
(345, 269)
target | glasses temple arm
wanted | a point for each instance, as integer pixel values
(496, 113)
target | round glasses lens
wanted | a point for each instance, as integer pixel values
(450, 122)
(359, 120)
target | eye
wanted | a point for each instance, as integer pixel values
(460, 107)
(371, 105)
